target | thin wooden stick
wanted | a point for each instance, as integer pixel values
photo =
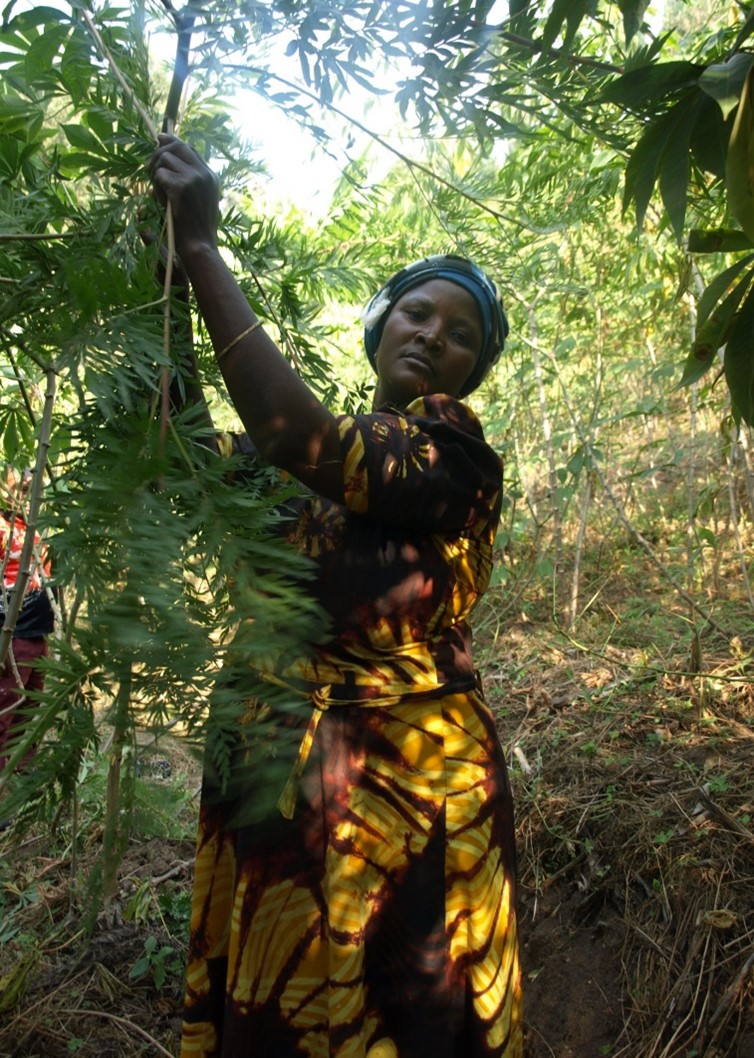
(174, 871)
(105, 52)
(728, 821)
(125, 1024)
(184, 24)
(23, 1016)
(11, 341)
(166, 306)
(42, 236)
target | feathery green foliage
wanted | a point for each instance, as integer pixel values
(540, 116)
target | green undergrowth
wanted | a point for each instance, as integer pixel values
(56, 934)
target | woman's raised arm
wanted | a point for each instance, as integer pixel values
(290, 428)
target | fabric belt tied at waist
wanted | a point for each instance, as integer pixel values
(321, 701)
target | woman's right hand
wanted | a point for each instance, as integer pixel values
(182, 178)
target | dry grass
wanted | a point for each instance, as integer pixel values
(635, 800)
(634, 793)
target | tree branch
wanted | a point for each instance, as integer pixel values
(558, 53)
(125, 1024)
(105, 52)
(34, 236)
(184, 22)
(11, 340)
(410, 162)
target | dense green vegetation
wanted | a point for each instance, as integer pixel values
(600, 168)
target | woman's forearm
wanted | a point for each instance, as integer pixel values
(288, 425)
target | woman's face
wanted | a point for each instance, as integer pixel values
(429, 344)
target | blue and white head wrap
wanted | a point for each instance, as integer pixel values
(457, 270)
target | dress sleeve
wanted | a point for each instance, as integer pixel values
(247, 469)
(428, 467)
(236, 444)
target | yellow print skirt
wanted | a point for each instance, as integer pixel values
(379, 921)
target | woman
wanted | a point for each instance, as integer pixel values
(372, 913)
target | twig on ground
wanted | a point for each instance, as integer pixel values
(23, 1015)
(728, 821)
(125, 1024)
(731, 991)
(650, 941)
(552, 878)
(174, 871)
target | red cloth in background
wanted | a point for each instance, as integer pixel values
(26, 654)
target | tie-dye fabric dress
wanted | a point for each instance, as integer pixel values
(371, 912)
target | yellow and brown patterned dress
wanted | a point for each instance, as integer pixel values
(371, 913)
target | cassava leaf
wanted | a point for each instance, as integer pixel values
(718, 287)
(718, 240)
(724, 81)
(739, 362)
(633, 15)
(80, 136)
(15, 114)
(42, 51)
(38, 15)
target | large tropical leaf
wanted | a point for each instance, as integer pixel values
(568, 12)
(715, 328)
(739, 362)
(739, 169)
(650, 87)
(663, 152)
(724, 81)
(718, 240)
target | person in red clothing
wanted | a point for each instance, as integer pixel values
(19, 672)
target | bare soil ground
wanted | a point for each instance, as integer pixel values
(635, 800)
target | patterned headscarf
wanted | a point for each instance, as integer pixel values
(457, 270)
